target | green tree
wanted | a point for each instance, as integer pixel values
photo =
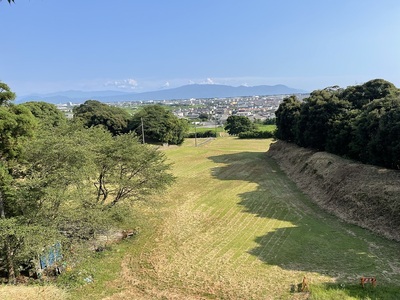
(204, 117)
(287, 116)
(386, 145)
(6, 95)
(84, 172)
(376, 133)
(340, 132)
(47, 114)
(317, 118)
(128, 169)
(55, 190)
(237, 124)
(360, 95)
(159, 125)
(94, 113)
(72, 182)
(16, 125)
(271, 121)
(360, 122)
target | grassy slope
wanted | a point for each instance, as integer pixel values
(234, 227)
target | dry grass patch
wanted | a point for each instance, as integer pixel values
(31, 292)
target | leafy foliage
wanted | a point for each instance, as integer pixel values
(361, 95)
(202, 134)
(16, 124)
(256, 135)
(159, 125)
(237, 124)
(62, 181)
(204, 117)
(93, 113)
(47, 114)
(6, 95)
(128, 169)
(360, 122)
(287, 117)
(271, 121)
(317, 116)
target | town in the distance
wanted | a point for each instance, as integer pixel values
(213, 111)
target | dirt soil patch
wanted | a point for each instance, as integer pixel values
(364, 195)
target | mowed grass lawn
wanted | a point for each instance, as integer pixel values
(235, 227)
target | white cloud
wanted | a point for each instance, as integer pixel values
(209, 81)
(166, 84)
(129, 83)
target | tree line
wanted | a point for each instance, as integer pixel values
(62, 181)
(359, 122)
(155, 122)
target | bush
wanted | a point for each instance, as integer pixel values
(256, 135)
(205, 134)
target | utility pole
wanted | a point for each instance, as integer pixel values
(215, 125)
(141, 119)
(195, 135)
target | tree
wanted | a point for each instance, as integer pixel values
(6, 95)
(204, 117)
(361, 95)
(237, 124)
(159, 125)
(16, 124)
(340, 132)
(376, 133)
(317, 116)
(94, 113)
(270, 121)
(72, 182)
(386, 145)
(287, 116)
(90, 171)
(65, 182)
(360, 122)
(47, 114)
(128, 169)
(56, 189)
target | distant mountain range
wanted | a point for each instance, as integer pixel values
(183, 92)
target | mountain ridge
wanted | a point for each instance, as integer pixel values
(182, 92)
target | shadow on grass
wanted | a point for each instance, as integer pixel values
(302, 237)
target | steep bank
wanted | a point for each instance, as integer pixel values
(365, 195)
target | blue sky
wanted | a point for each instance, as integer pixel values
(141, 45)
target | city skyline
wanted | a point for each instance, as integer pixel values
(140, 46)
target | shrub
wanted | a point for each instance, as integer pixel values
(256, 135)
(204, 134)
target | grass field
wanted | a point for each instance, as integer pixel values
(262, 127)
(235, 227)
